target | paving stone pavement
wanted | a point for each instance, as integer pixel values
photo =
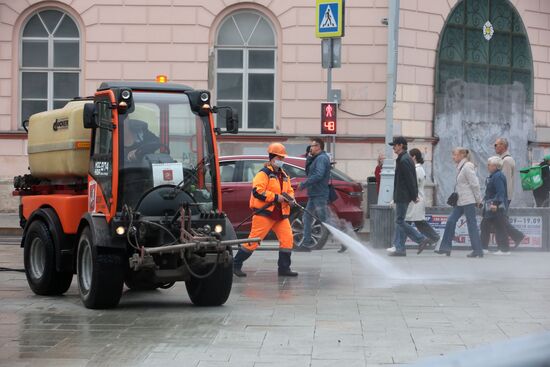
(337, 312)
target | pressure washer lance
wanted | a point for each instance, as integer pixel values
(289, 199)
(293, 202)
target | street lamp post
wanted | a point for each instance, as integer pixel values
(388, 169)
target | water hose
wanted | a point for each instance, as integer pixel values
(254, 213)
(291, 201)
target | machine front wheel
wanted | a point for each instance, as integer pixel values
(215, 289)
(100, 275)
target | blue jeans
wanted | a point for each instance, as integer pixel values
(317, 206)
(473, 231)
(422, 227)
(404, 229)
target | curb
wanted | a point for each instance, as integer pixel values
(7, 231)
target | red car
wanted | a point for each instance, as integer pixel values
(237, 173)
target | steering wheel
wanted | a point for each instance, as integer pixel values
(147, 148)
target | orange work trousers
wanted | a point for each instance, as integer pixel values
(261, 225)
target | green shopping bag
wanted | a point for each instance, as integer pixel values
(531, 177)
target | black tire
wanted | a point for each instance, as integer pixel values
(319, 233)
(39, 260)
(215, 289)
(100, 276)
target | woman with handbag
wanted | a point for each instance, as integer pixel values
(464, 200)
(495, 206)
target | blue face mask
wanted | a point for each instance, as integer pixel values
(278, 163)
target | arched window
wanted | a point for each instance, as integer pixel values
(245, 69)
(49, 62)
(485, 42)
(484, 89)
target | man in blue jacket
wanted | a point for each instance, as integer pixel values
(318, 177)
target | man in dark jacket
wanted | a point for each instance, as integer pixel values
(318, 177)
(405, 190)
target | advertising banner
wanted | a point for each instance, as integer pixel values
(531, 226)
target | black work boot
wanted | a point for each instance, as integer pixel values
(238, 260)
(284, 265)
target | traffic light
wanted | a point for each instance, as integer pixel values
(328, 118)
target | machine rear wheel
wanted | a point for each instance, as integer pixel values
(100, 275)
(39, 259)
(215, 289)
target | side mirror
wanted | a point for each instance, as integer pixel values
(231, 121)
(90, 116)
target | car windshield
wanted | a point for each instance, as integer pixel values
(164, 143)
(298, 172)
(339, 175)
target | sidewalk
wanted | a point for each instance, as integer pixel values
(339, 311)
(9, 224)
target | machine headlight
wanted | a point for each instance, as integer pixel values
(126, 94)
(218, 228)
(207, 228)
(120, 230)
(205, 97)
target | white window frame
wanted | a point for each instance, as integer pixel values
(50, 69)
(245, 72)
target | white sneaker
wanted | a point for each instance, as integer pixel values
(485, 252)
(391, 249)
(503, 253)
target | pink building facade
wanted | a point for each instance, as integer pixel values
(262, 57)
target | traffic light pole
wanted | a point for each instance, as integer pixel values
(332, 145)
(385, 195)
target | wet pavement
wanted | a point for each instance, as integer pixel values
(336, 312)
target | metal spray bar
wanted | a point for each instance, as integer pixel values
(182, 246)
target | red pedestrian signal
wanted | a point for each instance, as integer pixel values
(328, 118)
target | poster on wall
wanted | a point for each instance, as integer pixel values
(531, 226)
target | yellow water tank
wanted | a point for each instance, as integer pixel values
(59, 145)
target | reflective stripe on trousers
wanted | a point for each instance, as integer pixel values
(261, 225)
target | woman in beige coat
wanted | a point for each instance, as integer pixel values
(469, 196)
(416, 212)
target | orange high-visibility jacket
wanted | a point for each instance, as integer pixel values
(266, 188)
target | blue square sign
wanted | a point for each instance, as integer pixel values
(330, 18)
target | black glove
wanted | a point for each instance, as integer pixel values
(289, 199)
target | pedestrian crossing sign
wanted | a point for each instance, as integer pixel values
(329, 18)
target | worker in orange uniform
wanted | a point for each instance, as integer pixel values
(271, 211)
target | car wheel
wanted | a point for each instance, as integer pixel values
(319, 234)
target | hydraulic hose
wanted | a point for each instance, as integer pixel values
(254, 213)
